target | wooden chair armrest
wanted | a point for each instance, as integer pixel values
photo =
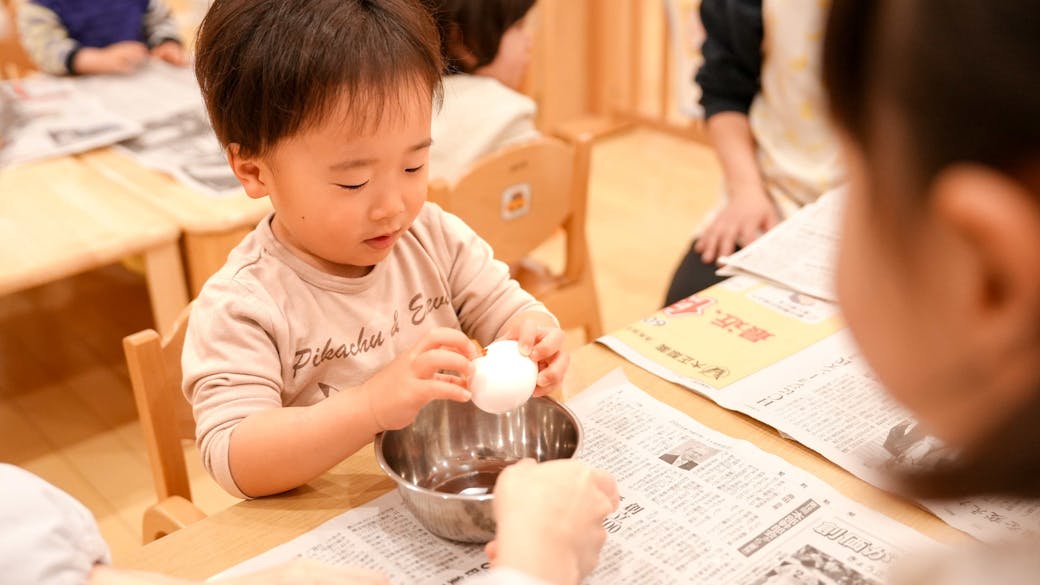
(168, 516)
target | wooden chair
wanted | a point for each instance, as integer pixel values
(518, 198)
(166, 419)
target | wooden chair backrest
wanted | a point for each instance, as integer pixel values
(166, 418)
(519, 197)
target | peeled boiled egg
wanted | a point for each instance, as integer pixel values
(503, 378)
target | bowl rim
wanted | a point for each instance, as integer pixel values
(401, 482)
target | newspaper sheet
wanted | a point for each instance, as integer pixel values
(800, 253)
(826, 398)
(725, 333)
(813, 387)
(176, 135)
(49, 117)
(696, 506)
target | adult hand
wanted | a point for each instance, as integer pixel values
(550, 519)
(746, 216)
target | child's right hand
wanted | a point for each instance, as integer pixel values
(405, 385)
(124, 57)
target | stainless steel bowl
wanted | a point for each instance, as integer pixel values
(446, 462)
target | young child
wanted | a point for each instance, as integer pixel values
(487, 46)
(766, 115)
(352, 305)
(939, 270)
(82, 37)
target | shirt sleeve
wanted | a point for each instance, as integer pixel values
(159, 24)
(483, 294)
(231, 369)
(48, 537)
(46, 39)
(729, 77)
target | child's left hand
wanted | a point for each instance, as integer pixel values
(540, 339)
(172, 52)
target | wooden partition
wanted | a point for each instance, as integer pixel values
(14, 62)
(631, 60)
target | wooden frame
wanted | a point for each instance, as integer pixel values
(155, 374)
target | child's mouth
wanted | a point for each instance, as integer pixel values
(382, 242)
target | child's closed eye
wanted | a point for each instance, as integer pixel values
(351, 187)
(414, 169)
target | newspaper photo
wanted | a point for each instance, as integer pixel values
(800, 253)
(176, 136)
(45, 117)
(696, 506)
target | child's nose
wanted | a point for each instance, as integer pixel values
(389, 204)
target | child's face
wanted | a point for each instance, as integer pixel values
(915, 288)
(895, 319)
(342, 197)
(514, 53)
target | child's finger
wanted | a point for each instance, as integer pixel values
(549, 342)
(554, 370)
(450, 378)
(447, 338)
(438, 390)
(427, 364)
(527, 337)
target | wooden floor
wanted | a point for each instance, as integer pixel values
(66, 410)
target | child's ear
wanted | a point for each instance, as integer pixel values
(250, 171)
(998, 219)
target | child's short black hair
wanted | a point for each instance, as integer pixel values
(476, 25)
(270, 68)
(959, 79)
(960, 76)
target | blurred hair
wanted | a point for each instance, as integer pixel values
(269, 69)
(959, 77)
(475, 25)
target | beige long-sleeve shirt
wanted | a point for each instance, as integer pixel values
(269, 330)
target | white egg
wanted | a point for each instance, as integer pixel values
(503, 379)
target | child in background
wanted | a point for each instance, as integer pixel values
(487, 48)
(939, 269)
(351, 306)
(766, 116)
(81, 37)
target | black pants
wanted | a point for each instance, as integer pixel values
(691, 276)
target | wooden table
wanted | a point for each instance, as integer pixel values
(211, 226)
(59, 218)
(249, 528)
